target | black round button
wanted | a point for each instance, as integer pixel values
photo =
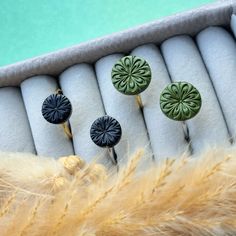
(105, 131)
(56, 109)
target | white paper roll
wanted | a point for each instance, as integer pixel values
(49, 139)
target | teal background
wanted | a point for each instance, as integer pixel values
(32, 27)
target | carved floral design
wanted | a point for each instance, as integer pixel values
(105, 131)
(180, 101)
(56, 109)
(131, 75)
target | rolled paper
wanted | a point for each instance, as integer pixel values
(56, 108)
(14, 137)
(106, 131)
(131, 75)
(79, 85)
(180, 101)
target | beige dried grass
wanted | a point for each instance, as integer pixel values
(177, 196)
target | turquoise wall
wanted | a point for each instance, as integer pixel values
(32, 27)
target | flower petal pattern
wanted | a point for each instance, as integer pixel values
(131, 75)
(180, 101)
(105, 131)
(56, 108)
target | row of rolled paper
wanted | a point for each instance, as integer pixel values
(130, 75)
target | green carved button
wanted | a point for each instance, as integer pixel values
(180, 101)
(131, 75)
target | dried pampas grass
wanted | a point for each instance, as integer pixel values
(67, 197)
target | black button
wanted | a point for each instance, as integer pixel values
(105, 131)
(56, 109)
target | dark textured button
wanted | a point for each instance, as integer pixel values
(180, 101)
(105, 131)
(131, 75)
(56, 109)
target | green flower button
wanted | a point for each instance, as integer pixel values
(180, 101)
(131, 75)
